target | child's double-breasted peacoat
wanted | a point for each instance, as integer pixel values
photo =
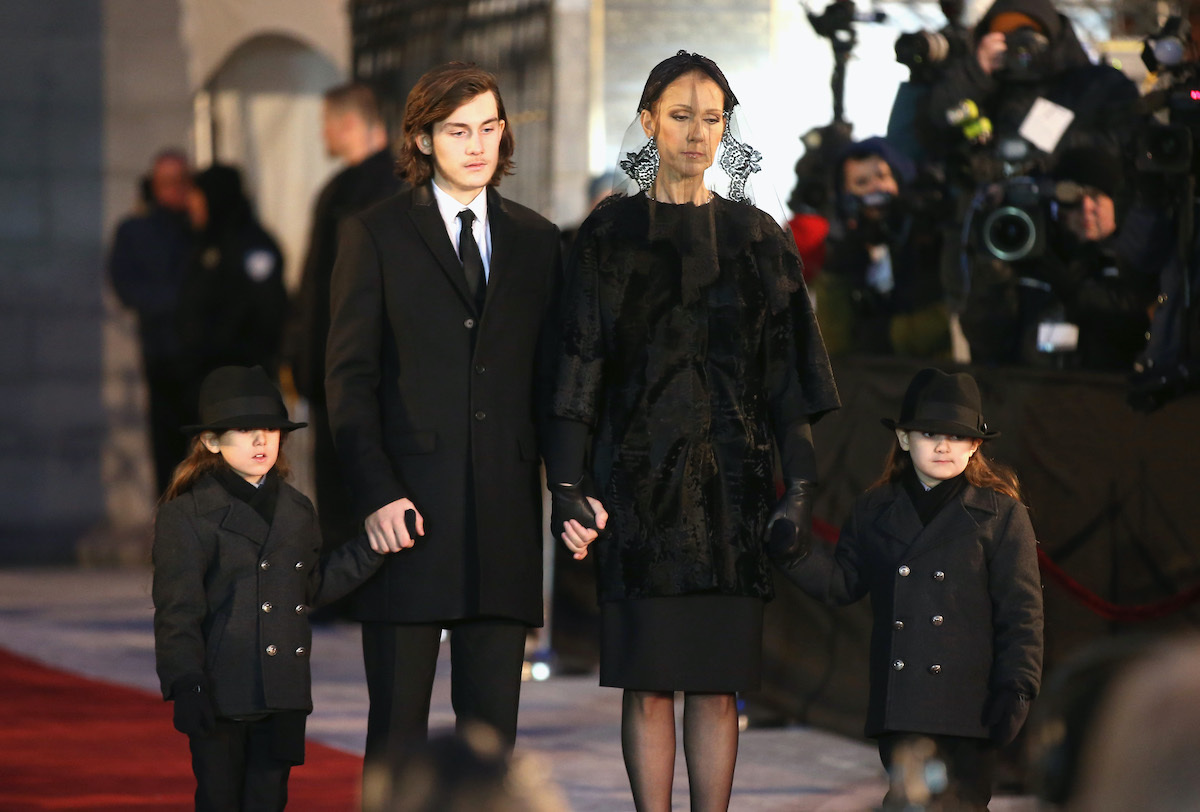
(957, 605)
(232, 594)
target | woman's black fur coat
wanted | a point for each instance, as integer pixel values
(689, 346)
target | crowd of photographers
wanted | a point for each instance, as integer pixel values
(1035, 198)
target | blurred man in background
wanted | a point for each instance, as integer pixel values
(354, 132)
(146, 267)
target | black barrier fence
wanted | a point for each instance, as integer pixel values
(395, 41)
(1112, 494)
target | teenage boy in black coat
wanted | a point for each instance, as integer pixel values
(432, 380)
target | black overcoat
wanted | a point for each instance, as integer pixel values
(231, 595)
(433, 401)
(957, 605)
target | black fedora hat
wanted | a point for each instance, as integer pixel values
(240, 398)
(943, 403)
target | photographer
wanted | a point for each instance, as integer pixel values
(1025, 50)
(879, 292)
(1084, 302)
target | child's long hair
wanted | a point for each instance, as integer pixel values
(981, 472)
(201, 461)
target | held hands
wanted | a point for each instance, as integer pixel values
(194, 712)
(1005, 714)
(789, 530)
(394, 526)
(580, 517)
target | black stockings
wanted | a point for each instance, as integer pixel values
(710, 741)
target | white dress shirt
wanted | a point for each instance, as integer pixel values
(449, 208)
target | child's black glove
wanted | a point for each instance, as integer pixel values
(1004, 714)
(789, 530)
(194, 712)
(570, 502)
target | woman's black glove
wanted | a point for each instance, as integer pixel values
(1004, 714)
(789, 530)
(570, 502)
(194, 712)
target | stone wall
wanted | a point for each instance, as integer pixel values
(51, 206)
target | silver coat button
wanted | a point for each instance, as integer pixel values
(469, 323)
(937, 620)
(264, 565)
(481, 415)
(300, 609)
(898, 665)
(299, 565)
(898, 625)
(938, 575)
(935, 669)
(267, 607)
(301, 651)
(272, 651)
(904, 571)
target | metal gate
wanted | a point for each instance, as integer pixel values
(395, 41)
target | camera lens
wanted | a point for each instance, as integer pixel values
(1009, 233)
(922, 48)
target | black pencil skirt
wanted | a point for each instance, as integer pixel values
(706, 643)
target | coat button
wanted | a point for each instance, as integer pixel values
(301, 651)
(904, 571)
(898, 665)
(938, 575)
(937, 620)
(480, 368)
(469, 323)
(935, 669)
(481, 415)
(300, 609)
(299, 565)
(272, 651)
(898, 625)
(266, 607)
(264, 565)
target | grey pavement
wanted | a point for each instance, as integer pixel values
(98, 623)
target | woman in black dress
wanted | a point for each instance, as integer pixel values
(689, 353)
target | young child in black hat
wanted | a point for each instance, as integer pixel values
(945, 549)
(236, 570)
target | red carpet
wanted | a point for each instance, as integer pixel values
(72, 743)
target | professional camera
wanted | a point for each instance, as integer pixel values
(924, 53)
(1015, 228)
(1007, 218)
(1025, 55)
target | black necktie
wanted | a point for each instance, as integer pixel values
(472, 262)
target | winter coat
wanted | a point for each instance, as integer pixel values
(957, 605)
(432, 400)
(1100, 96)
(232, 595)
(690, 347)
(348, 192)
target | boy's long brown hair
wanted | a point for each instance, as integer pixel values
(201, 461)
(981, 472)
(436, 95)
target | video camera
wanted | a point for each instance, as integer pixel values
(1169, 164)
(1008, 217)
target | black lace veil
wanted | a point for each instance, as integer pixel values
(736, 171)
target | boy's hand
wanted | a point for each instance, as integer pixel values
(395, 526)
